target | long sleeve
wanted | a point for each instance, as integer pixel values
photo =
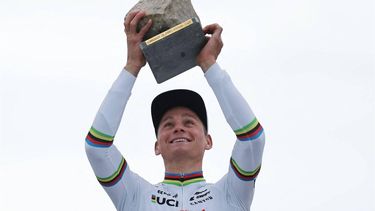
(110, 167)
(247, 153)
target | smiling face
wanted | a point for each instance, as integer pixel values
(181, 135)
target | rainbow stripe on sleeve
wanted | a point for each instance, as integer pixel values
(96, 138)
(250, 132)
(115, 177)
(242, 174)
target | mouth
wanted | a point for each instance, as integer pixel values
(179, 140)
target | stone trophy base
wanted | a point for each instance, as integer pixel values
(175, 50)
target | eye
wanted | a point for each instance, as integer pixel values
(189, 122)
(167, 124)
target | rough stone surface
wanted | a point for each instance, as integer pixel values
(164, 13)
(175, 53)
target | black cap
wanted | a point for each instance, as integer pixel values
(176, 98)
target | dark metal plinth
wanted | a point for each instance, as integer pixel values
(175, 50)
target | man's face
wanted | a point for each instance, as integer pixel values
(181, 134)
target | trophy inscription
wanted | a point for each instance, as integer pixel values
(175, 38)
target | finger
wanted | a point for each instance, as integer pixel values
(206, 29)
(145, 28)
(129, 17)
(210, 28)
(134, 22)
(217, 32)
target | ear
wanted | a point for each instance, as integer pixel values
(157, 148)
(208, 142)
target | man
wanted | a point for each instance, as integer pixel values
(180, 121)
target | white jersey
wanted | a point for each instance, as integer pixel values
(183, 191)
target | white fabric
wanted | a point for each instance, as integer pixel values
(132, 192)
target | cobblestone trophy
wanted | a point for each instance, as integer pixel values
(175, 38)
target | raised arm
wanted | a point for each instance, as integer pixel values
(246, 156)
(109, 165)
(136, 59)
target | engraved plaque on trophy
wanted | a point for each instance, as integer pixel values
(175, 38)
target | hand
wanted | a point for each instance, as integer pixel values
(136, 59)
(211, 50)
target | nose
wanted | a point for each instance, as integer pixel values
(179, 127)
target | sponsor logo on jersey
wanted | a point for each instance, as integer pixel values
(165, 199)
(161, 192)
(200, 197)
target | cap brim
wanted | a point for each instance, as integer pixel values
(177, 98)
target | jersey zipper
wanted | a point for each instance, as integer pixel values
(182, 191)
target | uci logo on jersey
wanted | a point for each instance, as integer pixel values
(162, 200)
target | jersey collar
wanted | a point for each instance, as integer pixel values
(183, 179)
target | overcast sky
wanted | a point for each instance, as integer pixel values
(306, 68)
